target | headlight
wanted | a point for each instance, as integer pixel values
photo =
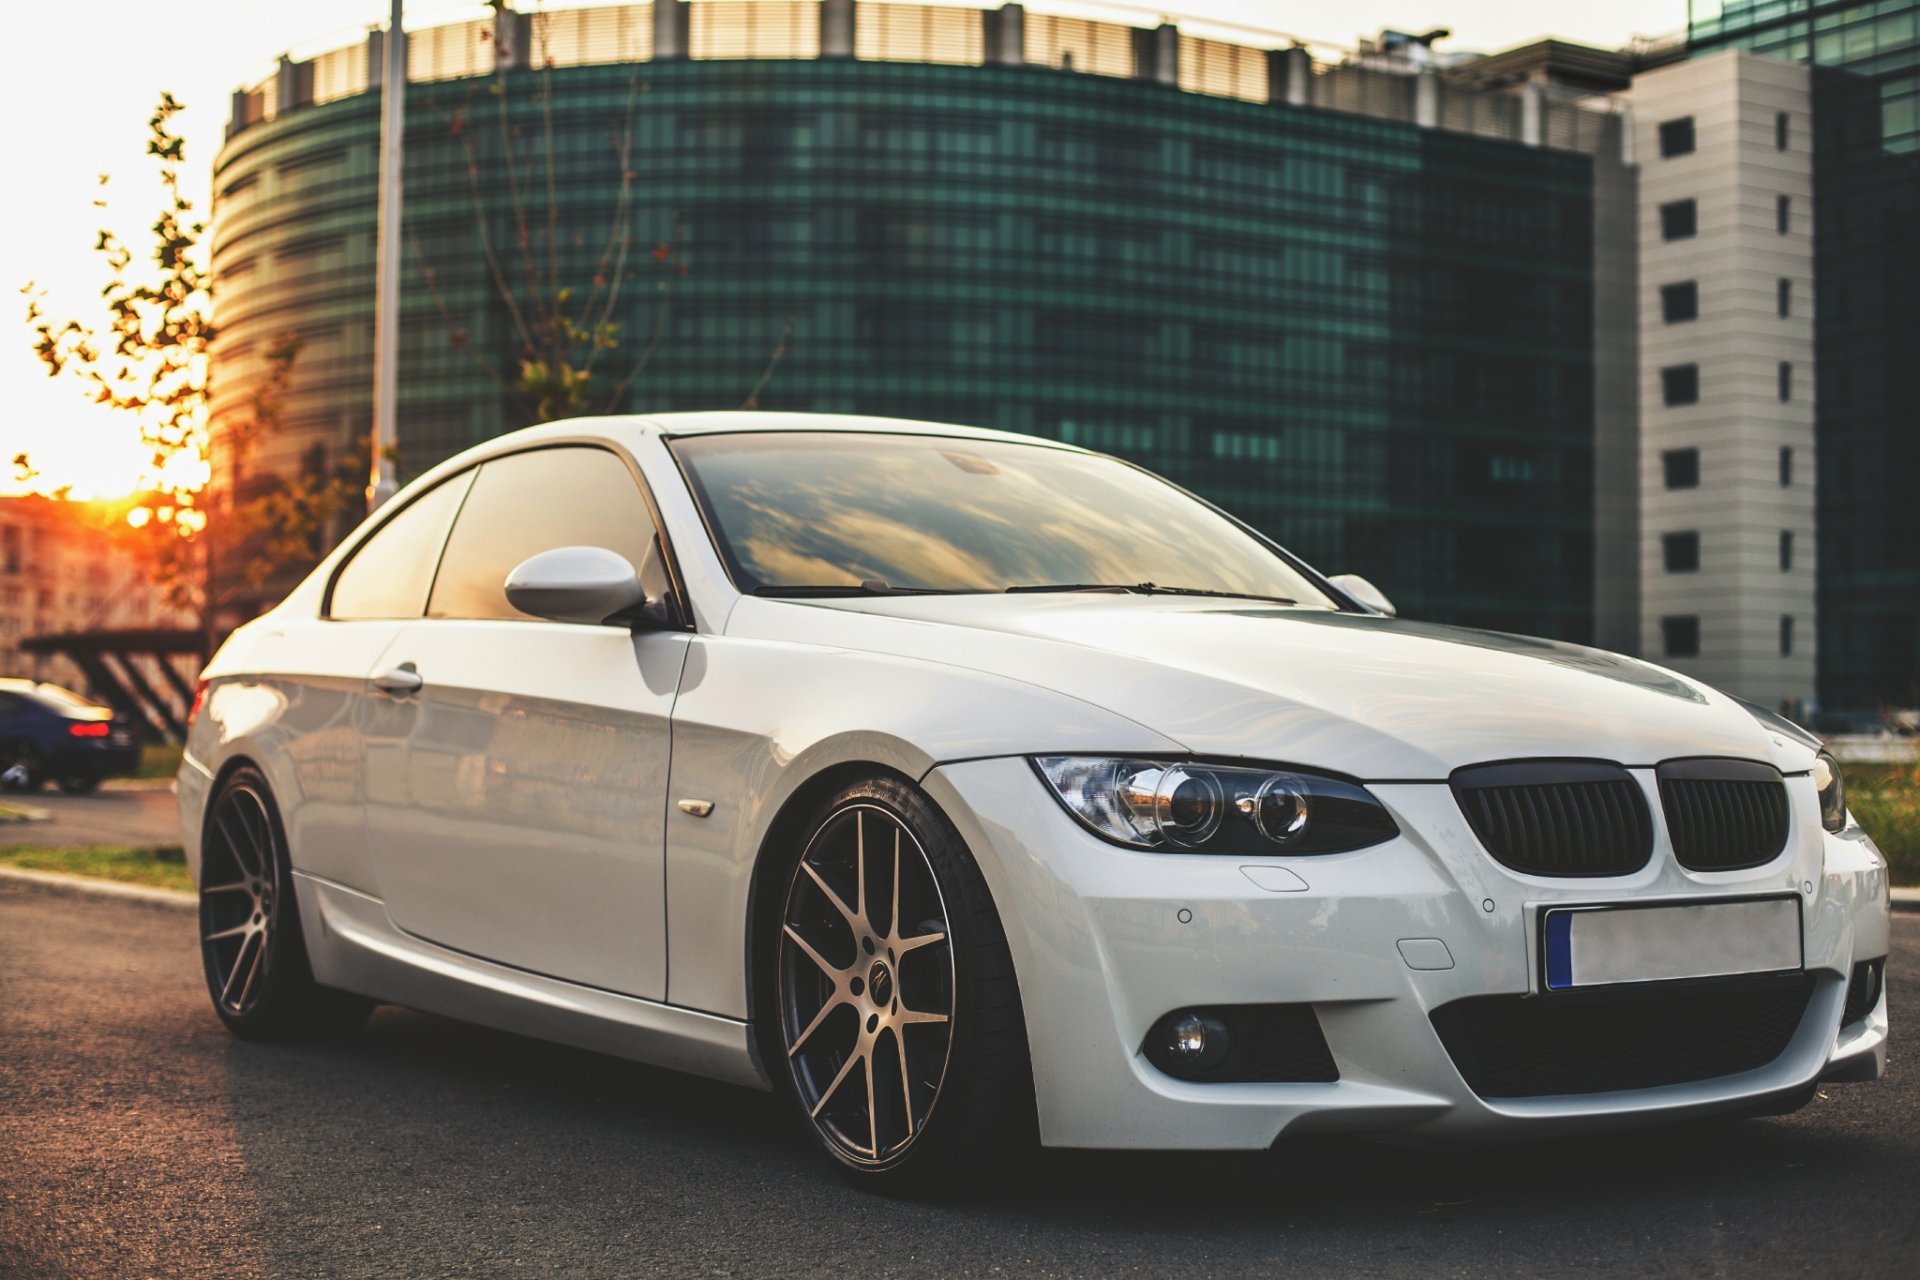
(1833, 792)
(1214, 808)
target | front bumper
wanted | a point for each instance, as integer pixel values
(1106, 940)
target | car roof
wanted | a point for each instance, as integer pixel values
(738, 421)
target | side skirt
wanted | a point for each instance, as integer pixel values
(354, 946)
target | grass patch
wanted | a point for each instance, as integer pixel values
(10, 814)
(1885, 799)
(158, 760)
(158, 866)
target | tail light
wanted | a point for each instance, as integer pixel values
(90, 728)
(199, 700)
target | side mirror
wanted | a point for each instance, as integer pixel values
(1364, 593)
(576, 584)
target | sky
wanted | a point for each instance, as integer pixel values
(83, 76)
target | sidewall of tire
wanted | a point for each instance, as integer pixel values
(936, 1159)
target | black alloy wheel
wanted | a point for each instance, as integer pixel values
(251, 945)
(897, 1016)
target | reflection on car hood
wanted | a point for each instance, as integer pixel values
(1376, 698)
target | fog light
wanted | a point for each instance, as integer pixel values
(1191, 1042)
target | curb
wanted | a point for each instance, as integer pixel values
(1905, 899)
(59, 882)
(137, 784)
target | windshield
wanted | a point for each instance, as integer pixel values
(795, 512)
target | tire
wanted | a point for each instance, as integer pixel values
(251, 947)
(902, 1050)
(21, 768)
(80, 784)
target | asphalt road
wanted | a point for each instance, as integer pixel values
(147, 815)
(137, 1138)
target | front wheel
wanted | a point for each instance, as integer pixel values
(895, 1014)
(80, 784)
(250, 941)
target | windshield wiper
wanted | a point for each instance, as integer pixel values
(1148, 589)
(872, 587)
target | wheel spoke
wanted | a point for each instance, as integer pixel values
(906, 1080)
(840, 1078)
(233, 974)
(800, 1041)
(820, 883)
(873, 1113)
(259, 953)
(237, 886)
(245, 926)
(902, 946)
(241, 861)
(893, 921)
(914, 1017)
(254, 820)
(830, 970)
(860, 862)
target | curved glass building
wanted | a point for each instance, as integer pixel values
(1354, 303)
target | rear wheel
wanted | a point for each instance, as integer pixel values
(21, 768)
(80, 784)
(894, 1012)
(250, 941)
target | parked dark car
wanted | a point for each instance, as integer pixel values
(52, 734)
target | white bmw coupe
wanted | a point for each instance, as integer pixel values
(970, 790)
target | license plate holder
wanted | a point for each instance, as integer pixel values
(1614, 945)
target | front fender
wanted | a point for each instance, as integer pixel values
(756, 720)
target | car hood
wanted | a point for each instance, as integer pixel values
(1375, 698)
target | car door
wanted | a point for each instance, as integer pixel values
(517, 768)
(307, 702)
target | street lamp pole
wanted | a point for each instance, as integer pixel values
(386, 307)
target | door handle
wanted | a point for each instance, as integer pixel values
(399, 682)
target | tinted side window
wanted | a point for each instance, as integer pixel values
(527, 503)
(388, 577)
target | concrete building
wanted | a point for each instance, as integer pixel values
(1727, 459)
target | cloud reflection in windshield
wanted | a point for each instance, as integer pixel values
(935, 513)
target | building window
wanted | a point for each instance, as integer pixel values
(1680, 637)
(1786, 380)
(1780, 127)
(1676, 137)
(1680, 301)
(1786, 550)
(1682, 467)
(1680, 551)
(1786, 465)
(1678, 220)
(1786, 635)
(1783, 297)
(1680, 384)
(1783, 214)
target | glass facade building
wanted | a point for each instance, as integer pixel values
(1865, 57)
(1371, 339)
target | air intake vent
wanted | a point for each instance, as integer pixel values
(1557, 817)
(1723, 815)
(1667, 1033)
